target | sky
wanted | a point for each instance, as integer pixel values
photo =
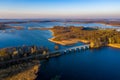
(59, 9)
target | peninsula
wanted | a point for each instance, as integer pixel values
(95, 37)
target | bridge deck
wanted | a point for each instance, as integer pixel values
(82, 46)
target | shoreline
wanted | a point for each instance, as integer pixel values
(68, 42)
(114, 45)
(64, 42)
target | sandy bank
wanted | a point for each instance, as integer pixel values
(114, 45)
(64, 42)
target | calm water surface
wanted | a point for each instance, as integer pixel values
(95, 64)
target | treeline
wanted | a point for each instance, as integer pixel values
(96, 38)
(7, 54)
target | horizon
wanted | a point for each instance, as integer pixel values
(59, 9)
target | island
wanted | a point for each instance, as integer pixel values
(4, 27)
(95, 37)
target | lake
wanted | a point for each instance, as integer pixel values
(91, 64)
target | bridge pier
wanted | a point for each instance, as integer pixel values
(75, 49)
(70, 50)
(65, 51)
(79, 49)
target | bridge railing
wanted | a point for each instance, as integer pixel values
(62, 50)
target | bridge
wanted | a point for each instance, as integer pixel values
(82, 47)
(47, 55)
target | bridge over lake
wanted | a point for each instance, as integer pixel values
(47, 55)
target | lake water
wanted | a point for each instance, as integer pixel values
(94, 64)
(97, 64)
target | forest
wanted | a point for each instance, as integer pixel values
(96, 37)
(14, 53)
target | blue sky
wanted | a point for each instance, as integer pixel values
(59, 8)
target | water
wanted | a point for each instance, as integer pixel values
(95, 64)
